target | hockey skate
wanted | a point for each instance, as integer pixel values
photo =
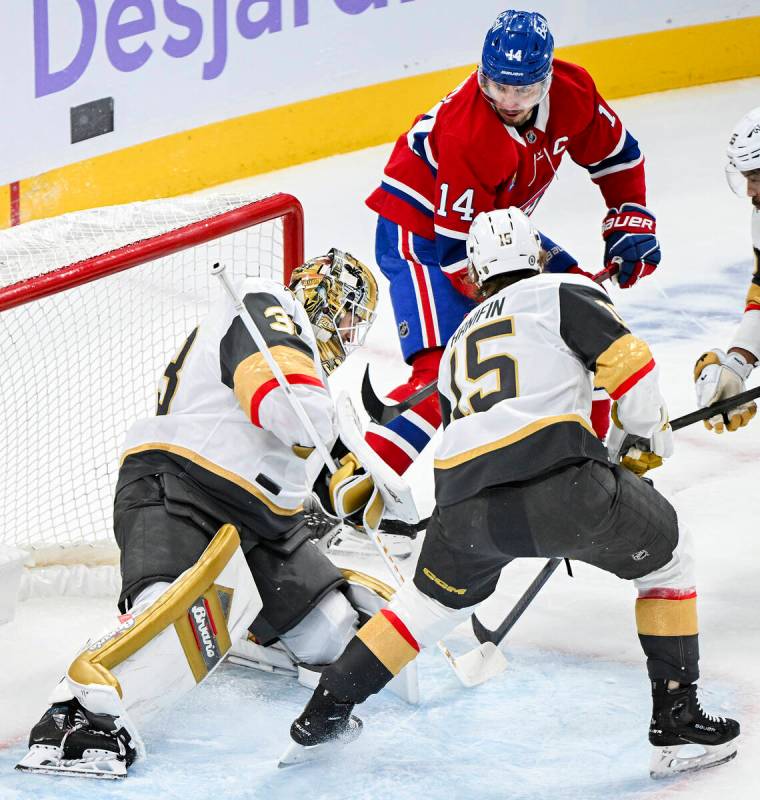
(679, 724)
(69, 740)
(324, 726)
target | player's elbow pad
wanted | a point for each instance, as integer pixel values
(279, 416)
(642, 410)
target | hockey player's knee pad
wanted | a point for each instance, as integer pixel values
(679, 573)
(426, 619)
(167, 644)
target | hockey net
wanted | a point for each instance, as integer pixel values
(93, 305)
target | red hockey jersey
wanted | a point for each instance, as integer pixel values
(460, 159)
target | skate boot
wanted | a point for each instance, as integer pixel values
(324, 725)
(679, 721)
(70, 740)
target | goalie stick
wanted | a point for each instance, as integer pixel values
(382, 414)
(395, 493)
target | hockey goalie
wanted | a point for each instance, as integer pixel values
(217, 554)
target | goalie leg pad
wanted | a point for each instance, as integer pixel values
(167, 644)
(322, 635)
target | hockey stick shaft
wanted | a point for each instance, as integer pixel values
(497, 636)
(721, 407)
(218, 270)
(382, 414)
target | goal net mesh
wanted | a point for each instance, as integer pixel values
(80, 365)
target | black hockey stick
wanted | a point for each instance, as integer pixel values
(721, 407)
(382, 414)
(496, 636)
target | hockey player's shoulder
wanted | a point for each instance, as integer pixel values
(571, 76)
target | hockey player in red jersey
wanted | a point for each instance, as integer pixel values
(496, 140)
(519, 473)
(720, 374)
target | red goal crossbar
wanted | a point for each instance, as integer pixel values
(276, 206)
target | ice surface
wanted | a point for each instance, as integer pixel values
(568, 719)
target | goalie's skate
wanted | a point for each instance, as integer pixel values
(324, 726)
(69, 740)
(685, 739)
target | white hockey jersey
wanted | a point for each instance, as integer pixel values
(748, 333)
(516, 379)
(222, 420)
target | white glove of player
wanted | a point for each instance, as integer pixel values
(718, 375)
(640, 458)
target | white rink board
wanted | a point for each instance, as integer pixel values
(172, 65)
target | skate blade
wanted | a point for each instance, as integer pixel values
(667, 761)
(45, 760)
(300, 754)
(477, 666)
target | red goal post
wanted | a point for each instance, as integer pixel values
(93, 305)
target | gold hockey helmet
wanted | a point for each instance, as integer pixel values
(339, 294)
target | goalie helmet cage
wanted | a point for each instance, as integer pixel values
(93, 306)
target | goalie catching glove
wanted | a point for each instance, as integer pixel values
(718, 375)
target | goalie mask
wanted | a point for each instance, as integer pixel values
(502, 241)
(339, 294)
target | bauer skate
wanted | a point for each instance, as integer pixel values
(69, 740)
(678, 722)
(324, 726)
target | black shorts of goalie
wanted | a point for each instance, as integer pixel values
(163, 523)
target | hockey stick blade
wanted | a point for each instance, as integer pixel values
(381, 413)
(478, 665)
(495, 637)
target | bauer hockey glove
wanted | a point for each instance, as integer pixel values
(630, 243)
(718, 375)
(636, 454)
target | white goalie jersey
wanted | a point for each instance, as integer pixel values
(223, 420)
(516, 380)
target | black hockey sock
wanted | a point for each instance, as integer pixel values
(378, 652)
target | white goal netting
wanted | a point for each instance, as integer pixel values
(78, 366)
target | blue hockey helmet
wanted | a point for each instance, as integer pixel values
(518, 49)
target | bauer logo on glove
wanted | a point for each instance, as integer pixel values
(630, 243)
